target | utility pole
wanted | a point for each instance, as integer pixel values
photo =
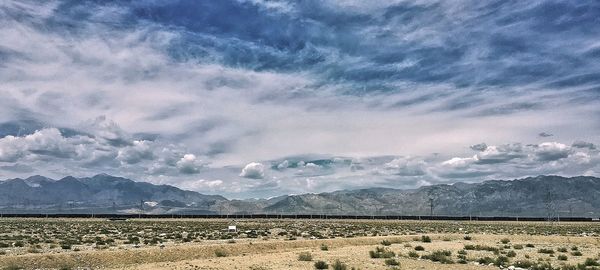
(141, 208)
(431, 207)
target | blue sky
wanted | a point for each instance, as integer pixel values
(254, 98)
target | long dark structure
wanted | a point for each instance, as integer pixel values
(299, 216)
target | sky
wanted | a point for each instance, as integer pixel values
(256, 98)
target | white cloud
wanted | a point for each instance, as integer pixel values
(550, 151)
(253, 170)
(406, 166)
(189, 164)
(140, 150)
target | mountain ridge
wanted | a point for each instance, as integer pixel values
(544, 195)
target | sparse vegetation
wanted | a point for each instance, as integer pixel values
(305, 256)
(220, 253)
(321, 265)
(392, 262)
(442, 256)
(487, 240)
(338, 265)
(381, 252)
(425, 239)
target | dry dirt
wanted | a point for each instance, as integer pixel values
(259, 254)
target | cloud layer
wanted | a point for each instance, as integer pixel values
(389, 93)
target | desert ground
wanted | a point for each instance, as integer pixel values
(295, 244)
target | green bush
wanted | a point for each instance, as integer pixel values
(576, 253)
(413, 254)
(321, 265)
(425, 239)
(337, 265)
(505, 241)
(442, 256)
(419, 248)
(591, 262)
(305, 256)
(518, 246)
(562, 249)
(523, 264)
(501, 261)
(392, 262)
(562, 257)
(386, 243)
(545, 251)
(511, 254)
(324, 247)
(486, 260)
(380, 252)
(529, 245)
(220, 253)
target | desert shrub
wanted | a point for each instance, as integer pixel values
(425, 239)
(19, 244)
(505, 241)
(462, 252)
(480, 247)
(305, 256)
(511, 254)
(518, 246)
(523, 264)
(324, 247)
(591, 262)
(442, 256)
(413, 254)
(576, 253)
(12, 267)
(338, 265)
(574, 248)
(546, 251)
(468, 237)
(321, 265)
(386, 243)
(561, 249)
(485, 260)
(220, 253)
(529, 245)
(391, 262)
(501, 261)
(562, 257)
(419, 248)
(4, 245)
(380, 252)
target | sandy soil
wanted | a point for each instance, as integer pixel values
(281, 254)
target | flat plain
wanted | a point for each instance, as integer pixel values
(295, 244)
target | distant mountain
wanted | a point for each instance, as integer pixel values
(102, 191)
(534, 196)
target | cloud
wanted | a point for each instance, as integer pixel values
(364, 83)
(499, 154)
(189, 164)
(406, 167)
(253, 170)
(550, 151)
(140, 150)
(583, 144)
(479, 147)
(545, 135)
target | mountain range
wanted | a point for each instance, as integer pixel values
(532, 196)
